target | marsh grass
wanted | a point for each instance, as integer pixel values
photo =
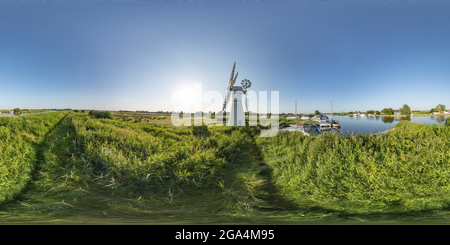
(20, 140)
(120, 169)
(111, 169)
(405, 170)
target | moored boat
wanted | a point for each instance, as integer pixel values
(335, 123)
(324, 123)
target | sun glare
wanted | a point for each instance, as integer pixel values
(183, 99)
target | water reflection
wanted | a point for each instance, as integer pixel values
(387, 119)
(403, 119)
(23, 114)
(372, 125)
(440, 118)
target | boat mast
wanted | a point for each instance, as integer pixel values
(295, 112)
(331, 109)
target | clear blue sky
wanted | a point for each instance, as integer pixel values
(133, 55)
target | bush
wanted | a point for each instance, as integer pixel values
(16, 111)
(447, 122)
(101, 114)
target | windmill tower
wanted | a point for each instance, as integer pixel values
(234, 98)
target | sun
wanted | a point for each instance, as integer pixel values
(183, 98)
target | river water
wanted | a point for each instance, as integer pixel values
(373, 125)
(12, 115)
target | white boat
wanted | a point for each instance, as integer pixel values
(310, 130)
(321, 118)
(335, 123)
(305, 118)
(362, 115)
(324, 123)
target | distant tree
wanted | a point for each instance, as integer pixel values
(317, 112)
(371, 112)
(433, 110)
(388, 111)
(440, 108)
(377, 113)
(405, 110)
(16, 111)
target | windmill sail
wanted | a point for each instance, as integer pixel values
(233, 80)
(225, 102)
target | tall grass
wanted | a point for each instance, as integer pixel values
(19, 141)
(407, 169)
(144, 158)
(87, 160)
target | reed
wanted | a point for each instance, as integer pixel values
(20, 141)
(406, 169)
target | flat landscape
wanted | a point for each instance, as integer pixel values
(85, 168)
(89, 88)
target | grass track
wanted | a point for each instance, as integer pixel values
(66, 185)
(67, 189)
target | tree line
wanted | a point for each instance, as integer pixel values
(405, 110)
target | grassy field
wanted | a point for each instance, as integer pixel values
(406, 170)
(111, 165)
(20, 141)
(72, 167)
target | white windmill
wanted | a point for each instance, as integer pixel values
(234, 94)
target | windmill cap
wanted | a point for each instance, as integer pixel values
(237, 88)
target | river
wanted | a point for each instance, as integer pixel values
(372, 125)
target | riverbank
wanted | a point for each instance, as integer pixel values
(420, 115)
(403, 171)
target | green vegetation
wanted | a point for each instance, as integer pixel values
(67, 164)
(16, 111)
(151, 157)
(86, 158)
(20, 139)
(405, 170)
(405, 110)
(388, 111)
(440, 108)
(421, 112)
(100, 114)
